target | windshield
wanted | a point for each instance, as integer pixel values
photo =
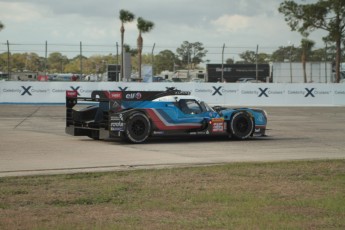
(206, 107)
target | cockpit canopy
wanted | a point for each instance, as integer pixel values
(187, 104)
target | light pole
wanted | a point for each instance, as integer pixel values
(223, 62)
(256, 64)
(291, 63)
(152, 57)
(291, 46)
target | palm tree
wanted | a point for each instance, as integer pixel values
(143, 27)
(125, 16)
(306, 46)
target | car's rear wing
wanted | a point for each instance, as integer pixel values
(117, 97)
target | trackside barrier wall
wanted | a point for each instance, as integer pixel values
(233, 94)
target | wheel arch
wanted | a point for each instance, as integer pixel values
(146, 122)
(235, 130)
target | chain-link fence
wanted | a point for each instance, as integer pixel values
(92, 59)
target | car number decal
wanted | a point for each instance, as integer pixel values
(218, 125)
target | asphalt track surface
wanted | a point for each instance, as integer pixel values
(33, 142)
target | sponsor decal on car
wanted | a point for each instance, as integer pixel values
(117, 126)
(158, 132)
(200, 133)
(133, 96)
(70, 93)
(114, 95)
(117, 117)
(218, 125)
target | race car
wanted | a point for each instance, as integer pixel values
(136, 116)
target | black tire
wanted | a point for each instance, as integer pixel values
(138, 128)
(241, 125)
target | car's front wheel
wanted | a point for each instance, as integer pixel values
(138, 128)
(241, 125)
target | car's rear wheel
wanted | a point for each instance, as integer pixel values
(241, 125)
(138, 128)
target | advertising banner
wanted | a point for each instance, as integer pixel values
(338, 94)
(236, 94)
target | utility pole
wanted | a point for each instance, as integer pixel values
(81, 60)
(117, 64)
(291, 63)
(256, 59)
(326, 63)
(222, 80)
(188, 61)
(117, 53)
(45, 59)
(152, 57)
(8, 61)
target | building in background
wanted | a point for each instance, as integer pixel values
(317, 72)
(235, 72)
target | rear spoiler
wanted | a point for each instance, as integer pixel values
(118, 96)
(71, 98)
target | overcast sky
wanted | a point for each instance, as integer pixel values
(239, 24)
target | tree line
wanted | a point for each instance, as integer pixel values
(188, 55)
(328, 15)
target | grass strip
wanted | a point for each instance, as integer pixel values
(277, 195)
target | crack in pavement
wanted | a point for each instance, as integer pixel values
(27, 117)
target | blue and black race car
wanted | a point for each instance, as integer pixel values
(135, 116)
